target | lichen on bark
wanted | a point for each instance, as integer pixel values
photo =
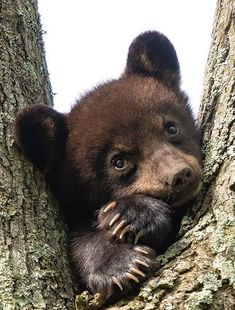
(197, 272)
(34, 269)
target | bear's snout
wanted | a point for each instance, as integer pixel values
(184, 176)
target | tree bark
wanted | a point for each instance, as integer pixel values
(198, 271)
(34, 270)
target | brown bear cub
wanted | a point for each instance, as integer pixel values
(124, 164)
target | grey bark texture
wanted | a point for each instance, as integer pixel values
(34, 270)
(198, 271)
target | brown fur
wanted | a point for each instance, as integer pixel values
(131, 141)
(144, 109)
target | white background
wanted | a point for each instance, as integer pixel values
(87, 41)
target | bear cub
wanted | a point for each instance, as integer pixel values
(124, 164)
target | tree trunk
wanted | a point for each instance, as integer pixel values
(34, 270)
(198, 271)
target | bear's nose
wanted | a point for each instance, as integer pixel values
(183, 178)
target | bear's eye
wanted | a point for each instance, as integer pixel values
(119, 163)
(171, 129)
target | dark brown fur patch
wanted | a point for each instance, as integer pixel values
(116, 146)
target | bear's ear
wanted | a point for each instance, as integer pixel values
(152, 54)
(41, 133)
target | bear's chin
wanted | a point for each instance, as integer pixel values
(188, 196)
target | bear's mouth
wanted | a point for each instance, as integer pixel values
(180, 198)
(177, 199)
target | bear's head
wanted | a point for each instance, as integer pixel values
(134, 135)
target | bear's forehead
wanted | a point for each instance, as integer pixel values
(130, 100)
(123, 111)
(129, 93)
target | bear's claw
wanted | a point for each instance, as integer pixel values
(138, 261)
(117, 282)
(124, 231)
(134, 272)
(138, 236)
(139, 272)
(132, 277)
(110, 206)
(120, 224)
(141, 250)
(114, 219)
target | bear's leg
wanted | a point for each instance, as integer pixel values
(109, 267)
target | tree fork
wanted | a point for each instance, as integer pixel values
(197, 272)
